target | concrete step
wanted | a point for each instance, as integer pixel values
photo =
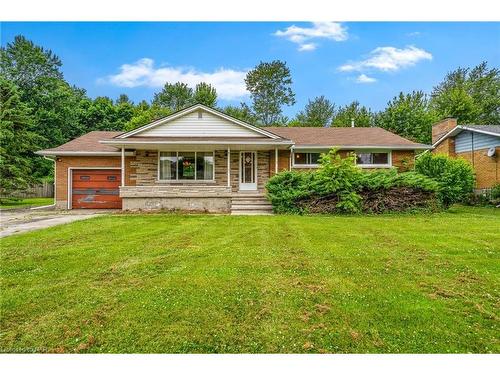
(248, 201)
(251, 213)
(251, 207)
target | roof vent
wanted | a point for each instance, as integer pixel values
(200, 114)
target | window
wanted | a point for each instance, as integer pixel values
(306, 158)
(186, 166)
(372, 158)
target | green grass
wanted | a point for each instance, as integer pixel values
(8, 203)
(193, 283)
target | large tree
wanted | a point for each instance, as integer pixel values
(317, 112)
(361, 115)
(17, 140)
(241, 112)
(174, 96)
(270, 86)
(470, 95)
(204, 93)
(410, 116)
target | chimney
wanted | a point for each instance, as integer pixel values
(441, 128)
(352, 123)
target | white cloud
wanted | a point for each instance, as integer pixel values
(308, 47)
(414, 33)
(388, 59)
(301, 35)
(229, 83)
(363, 78)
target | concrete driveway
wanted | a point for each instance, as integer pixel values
(27, 220)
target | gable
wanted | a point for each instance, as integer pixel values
(464, 141)
(200, 123)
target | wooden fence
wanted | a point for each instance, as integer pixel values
(45, 190)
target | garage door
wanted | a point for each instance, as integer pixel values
(96, 188)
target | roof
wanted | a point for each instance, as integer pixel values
(88, 143)
(344, 137)
(493, 130)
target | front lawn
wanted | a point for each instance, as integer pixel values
(193, 283)
(7, 203)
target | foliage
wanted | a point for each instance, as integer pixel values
(269, 85)
(205, 94)
(8, 203)
(145, 114)
(338, 186)
(410, 116)
(241, 112)
(362, 116)
(174, 96)
(17, 140)
(495, 192)
(470, 95)
(318, 112)
(455, 176)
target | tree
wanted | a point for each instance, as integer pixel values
(470, 95)
(318, 112)
(17, 140)
(174, 96)
(205, 94)
(144, 114)
(241, 112)
(361, 115)
(26, 64)
(269, 85)
(410, 116)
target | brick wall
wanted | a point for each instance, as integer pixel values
(65, 162)
(447, 147)
(283, 161)
(403, 160)
(442, 127)
(487, 169)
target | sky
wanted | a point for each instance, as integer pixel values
(366, 61)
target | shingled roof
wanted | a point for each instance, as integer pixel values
(86, 143)
(344, 137)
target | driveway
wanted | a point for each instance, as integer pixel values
(27, 220)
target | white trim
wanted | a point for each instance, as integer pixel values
(193, 109)
(70, 181)
(458, 129)
(229, 167)
(83, 153)
(255, 171)
(122, 182)
(389, 159)
(353, 147)
(305, 165)
(195, 180)
(194, 143)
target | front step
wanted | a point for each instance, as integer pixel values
(254, 204)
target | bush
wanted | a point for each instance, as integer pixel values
(338, 186)
(495, 192)
(455, 177)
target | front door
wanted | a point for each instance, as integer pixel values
(248, 170)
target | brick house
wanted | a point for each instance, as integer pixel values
(478, 144)
(202, 159)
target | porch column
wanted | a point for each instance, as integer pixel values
(123, 167)
(228, 167)
(276, 160)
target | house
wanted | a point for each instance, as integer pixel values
(202, 159)
(478, 144)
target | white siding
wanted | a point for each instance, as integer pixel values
(463, 141)
(191, 125)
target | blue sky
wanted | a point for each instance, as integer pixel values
(369, 62)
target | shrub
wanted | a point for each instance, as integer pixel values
(495, 192)
(338, 186)
(286, 188)
(454, 176)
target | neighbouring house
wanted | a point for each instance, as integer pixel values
(478, 144)
(202, 159)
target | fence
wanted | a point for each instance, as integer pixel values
(45, 190)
